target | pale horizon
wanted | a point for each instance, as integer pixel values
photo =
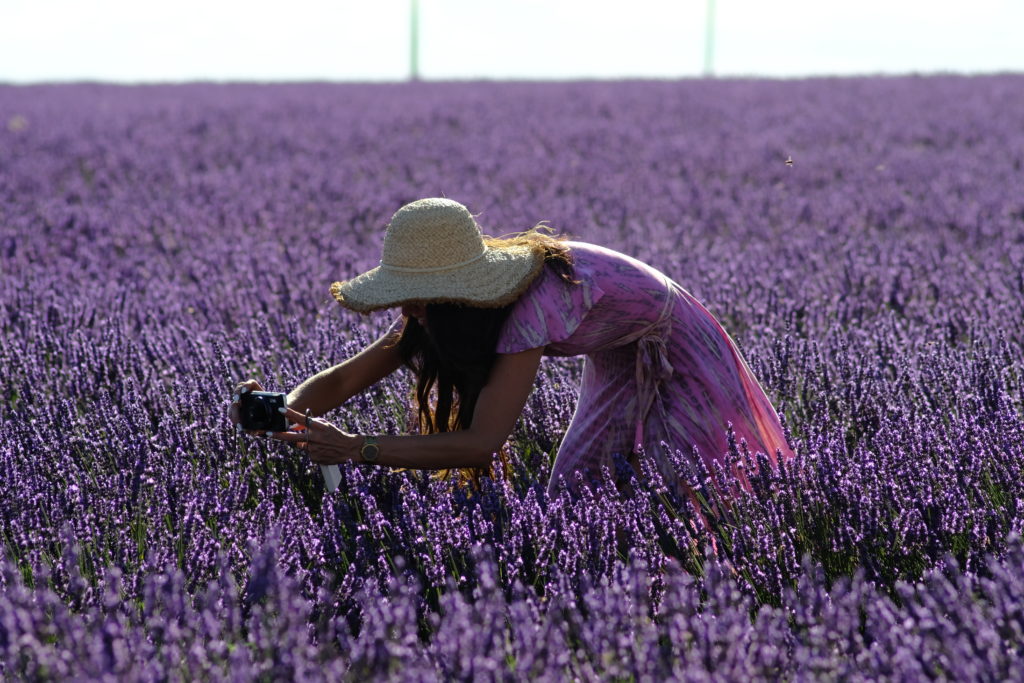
(317, 40)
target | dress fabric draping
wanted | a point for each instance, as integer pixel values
(658, 369)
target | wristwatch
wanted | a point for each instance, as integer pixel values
(370, 450)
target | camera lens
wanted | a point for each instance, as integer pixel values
(258, 412)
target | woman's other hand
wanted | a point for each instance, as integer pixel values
(234, 410)
(325, 443)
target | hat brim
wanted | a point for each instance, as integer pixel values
(495, 280)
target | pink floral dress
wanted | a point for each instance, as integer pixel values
(659, 367)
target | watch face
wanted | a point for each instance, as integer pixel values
(369, 452)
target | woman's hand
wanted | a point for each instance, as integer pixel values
(325, 443)
(234, 410)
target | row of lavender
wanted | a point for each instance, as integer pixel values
(159, 243)
(950, 625)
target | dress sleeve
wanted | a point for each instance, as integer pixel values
(548, 312)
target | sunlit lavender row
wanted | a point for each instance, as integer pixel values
(158, 244)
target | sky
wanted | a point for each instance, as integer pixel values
(369, 40)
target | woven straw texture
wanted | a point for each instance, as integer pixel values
(434, 252)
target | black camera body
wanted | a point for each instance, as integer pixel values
(260, 411)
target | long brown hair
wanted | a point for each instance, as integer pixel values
(453, 357)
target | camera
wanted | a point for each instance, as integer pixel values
(259, 411)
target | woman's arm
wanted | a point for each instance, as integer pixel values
(329, 388)
(498, 407)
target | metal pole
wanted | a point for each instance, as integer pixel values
(709, 40)
(414, 41)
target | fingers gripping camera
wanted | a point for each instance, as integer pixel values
(262, 411)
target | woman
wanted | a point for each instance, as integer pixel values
(477, 315)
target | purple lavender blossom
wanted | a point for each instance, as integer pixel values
(159, 243)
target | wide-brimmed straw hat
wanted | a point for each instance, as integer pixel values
(435, 252)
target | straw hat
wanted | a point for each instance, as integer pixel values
(434, 252)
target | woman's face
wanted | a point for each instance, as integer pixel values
(418, 311)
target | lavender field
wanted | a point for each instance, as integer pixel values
(160, 243)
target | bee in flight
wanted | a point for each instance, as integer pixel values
(789, 161)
